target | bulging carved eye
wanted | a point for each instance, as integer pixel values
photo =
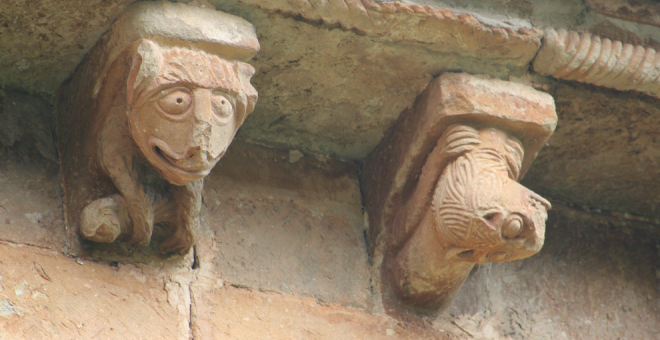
(176, 102)
(512, 227)
(222, 107)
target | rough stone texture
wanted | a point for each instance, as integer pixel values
(607, 29)
(290, 223)
(30, 211)
(604, 153)
(44, 41)
(27, 119)
(595, 278)
(600, 61)
(642, 11)
(336, 91)
(30, 198)
(399, 22)
(44, 295)
(232, 313)
(369, 76)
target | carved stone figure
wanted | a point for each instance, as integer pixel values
(442, 191)
(144, 120)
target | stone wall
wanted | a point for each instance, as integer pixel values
(283, 256)
(283, 251)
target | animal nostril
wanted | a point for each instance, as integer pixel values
(512, 228)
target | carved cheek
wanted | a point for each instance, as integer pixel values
(221, 137)
(223, 123)
(175, 133)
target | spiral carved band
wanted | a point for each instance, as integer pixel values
(599, 61)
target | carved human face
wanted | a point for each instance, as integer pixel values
(481, 213)
(185, 107)
(184, 130)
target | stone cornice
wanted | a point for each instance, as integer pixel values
(599, 61)
(441, 28)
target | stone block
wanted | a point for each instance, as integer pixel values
(231, 313)
(45, 295)
(287, 222)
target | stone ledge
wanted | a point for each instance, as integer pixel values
(46, 295)
(441, 28)
(588, 58)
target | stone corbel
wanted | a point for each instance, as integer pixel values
(145, 118)
(442, 190)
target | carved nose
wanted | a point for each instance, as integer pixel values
(195, 159)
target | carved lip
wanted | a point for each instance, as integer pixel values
(168, 158)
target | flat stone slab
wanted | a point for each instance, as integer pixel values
(46, 295)
(231, 313)
(290, 223)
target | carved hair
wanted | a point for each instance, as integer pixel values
(154, 66)
(470, 185)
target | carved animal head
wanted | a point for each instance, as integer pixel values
(185, 106)
(481, 214)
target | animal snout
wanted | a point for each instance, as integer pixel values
(196, 158)
(536, 200)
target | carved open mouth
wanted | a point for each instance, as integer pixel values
(174, 162)
(171, 163)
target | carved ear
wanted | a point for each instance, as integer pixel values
(245, 72)
(146, 64)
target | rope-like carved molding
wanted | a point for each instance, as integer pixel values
(599, 61)
(441, 29)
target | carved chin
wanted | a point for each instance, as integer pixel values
(166, 163)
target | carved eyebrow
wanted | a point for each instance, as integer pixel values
(170, 78)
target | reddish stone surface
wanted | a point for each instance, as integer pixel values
(45, 295)
(30, 199)
(145, 117)
(231, 313)
(288, 224)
